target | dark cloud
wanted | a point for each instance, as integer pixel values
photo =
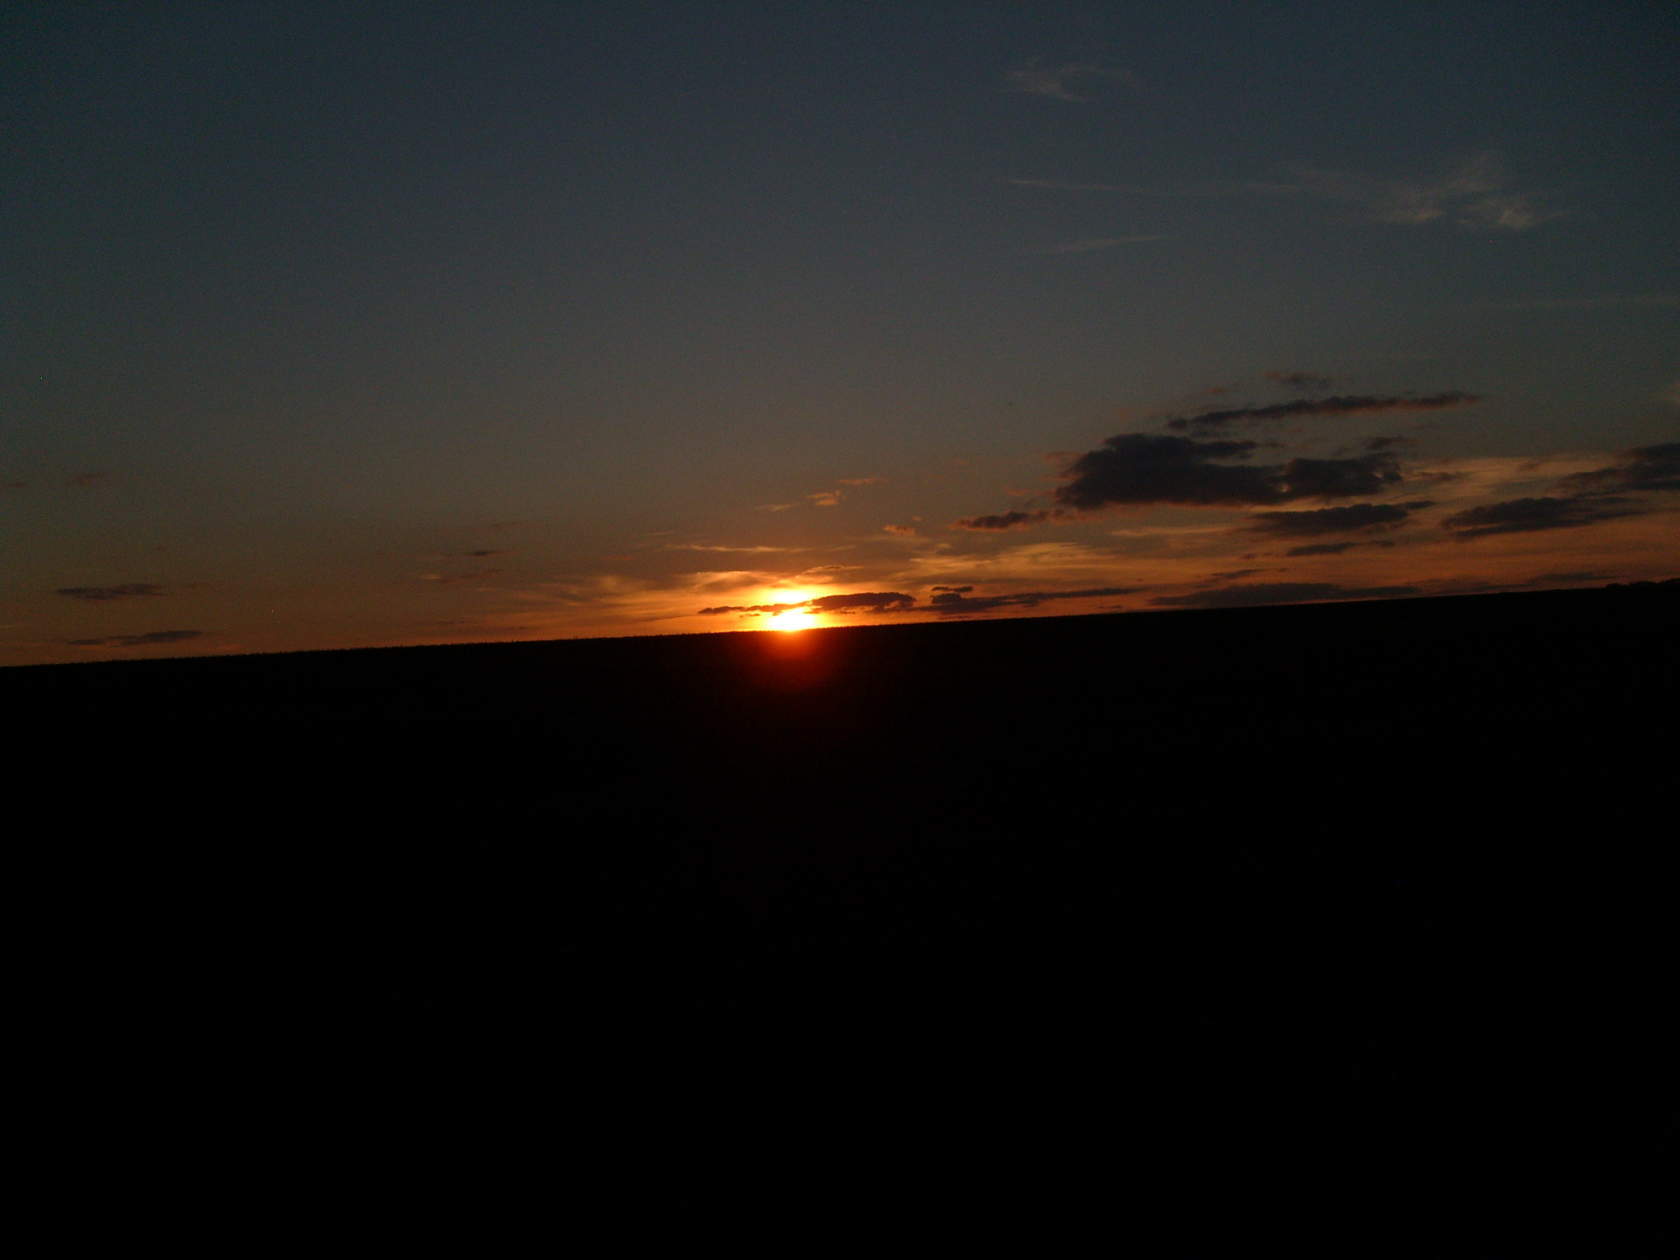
(1334, 549)
(1337, 405)
(1643, 468)
(137, 640)
(13, 485)
(481, 553)
(903, 531)
(857, 601)
(1335, 520)
(862, 601)
(1388, 442)
(1258, 593)
(1525, 516)
(1004, 520)
(955, 602)
(128, 590)
(1150, 468)
(1231, 575)
(1299, 380)
(87, 479)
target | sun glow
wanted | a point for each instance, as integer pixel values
(793, 619)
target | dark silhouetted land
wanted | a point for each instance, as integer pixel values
(1383, 887)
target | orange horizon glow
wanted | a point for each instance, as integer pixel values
(793, 620)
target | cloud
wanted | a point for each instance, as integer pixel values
(87, 479)
(773, 507)
(1472, 195)
(824, 498)
(1642, 468)
(1091, 244)
(1335, 520)
(1002, 521)
(482, 553)
(903, 531)
(450, 579)
(128, 590)
(138, 640)
(857, 601)
(1137, 468)
(862, 601)
(1339, 405)
(755, 549)
(1299, 380)
(1255, 594)
(13, 485)
(1336, 548)
(863, 481)
(1057, 81)
(954, 601)
(1524, 516)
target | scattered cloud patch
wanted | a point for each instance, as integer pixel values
(452, 579)
(1526, 516)
(1335, 548)
(857, 601)
(1338, 405)
(1002, 521)
(1257, 594)
(955, 601)
(100, 594)
(1065, 81)
(1336, 520)
(1475, 194)
(1299, 380)
(1643, 468)
(138, 640)
(1138, 468)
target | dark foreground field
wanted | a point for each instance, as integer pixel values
(1354, 918)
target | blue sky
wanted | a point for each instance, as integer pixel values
(330, 326)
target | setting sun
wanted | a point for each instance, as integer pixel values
(793, 619)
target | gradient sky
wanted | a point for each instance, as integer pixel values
(332, 325)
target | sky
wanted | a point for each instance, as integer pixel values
(334, 326)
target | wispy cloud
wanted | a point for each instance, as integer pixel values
(1002, 521)
(138, 640)
(100, 594)
(1355, 518)
(1065, 81)
(1474, 193)
(1258, 594)
(757, 549)
(1525, 516)
(854, 602)
(1338, 405)
(453, 579)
